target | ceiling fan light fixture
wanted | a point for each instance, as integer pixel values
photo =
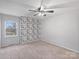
(41, 14)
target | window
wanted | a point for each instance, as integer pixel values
(10, 27)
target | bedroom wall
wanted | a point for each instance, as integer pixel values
(62, 29)
(27, 30)
(7, 40)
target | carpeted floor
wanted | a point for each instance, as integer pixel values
(37, 50)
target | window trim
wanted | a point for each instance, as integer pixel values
(16, 29)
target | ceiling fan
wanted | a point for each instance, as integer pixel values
(41, 10)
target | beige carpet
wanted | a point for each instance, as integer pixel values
(37, 50)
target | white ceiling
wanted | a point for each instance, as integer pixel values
(36, 3)
(20, 7)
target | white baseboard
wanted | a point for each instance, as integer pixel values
(54, 43)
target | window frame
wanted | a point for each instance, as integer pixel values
(16, 29)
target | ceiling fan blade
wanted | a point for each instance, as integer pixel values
(66, 5)
(50, 11)
(39, 14)
(32, 10)
(35, 14)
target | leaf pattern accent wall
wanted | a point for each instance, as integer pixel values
(29, 29)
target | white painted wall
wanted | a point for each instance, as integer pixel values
(62, 29)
